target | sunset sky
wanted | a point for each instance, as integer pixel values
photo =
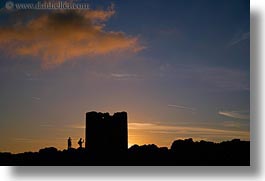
(180, 68)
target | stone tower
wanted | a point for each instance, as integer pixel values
(106, 133)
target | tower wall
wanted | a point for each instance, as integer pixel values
(106, 133)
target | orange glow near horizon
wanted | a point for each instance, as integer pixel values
(138, 133)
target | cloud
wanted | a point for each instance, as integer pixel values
(188, 131)
(235, 114)
(182, 107)
(30, 77)
(141, 129)
(60, 36)
(239, 38)
(232, 124)
(123, 75)
(76, 126)
(36, 98)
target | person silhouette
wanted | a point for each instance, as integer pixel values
(80, 142)
(69, 143)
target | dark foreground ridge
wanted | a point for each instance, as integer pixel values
(107, 144)
(182, 152)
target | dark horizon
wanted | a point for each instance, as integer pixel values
(148, 144)
(106, 143)
(181, 153)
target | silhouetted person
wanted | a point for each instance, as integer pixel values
(80, 142)
(69, 143)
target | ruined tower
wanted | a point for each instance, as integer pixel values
(106, 133)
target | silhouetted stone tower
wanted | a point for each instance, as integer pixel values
(105, 133)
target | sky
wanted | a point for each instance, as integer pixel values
(180, 69)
